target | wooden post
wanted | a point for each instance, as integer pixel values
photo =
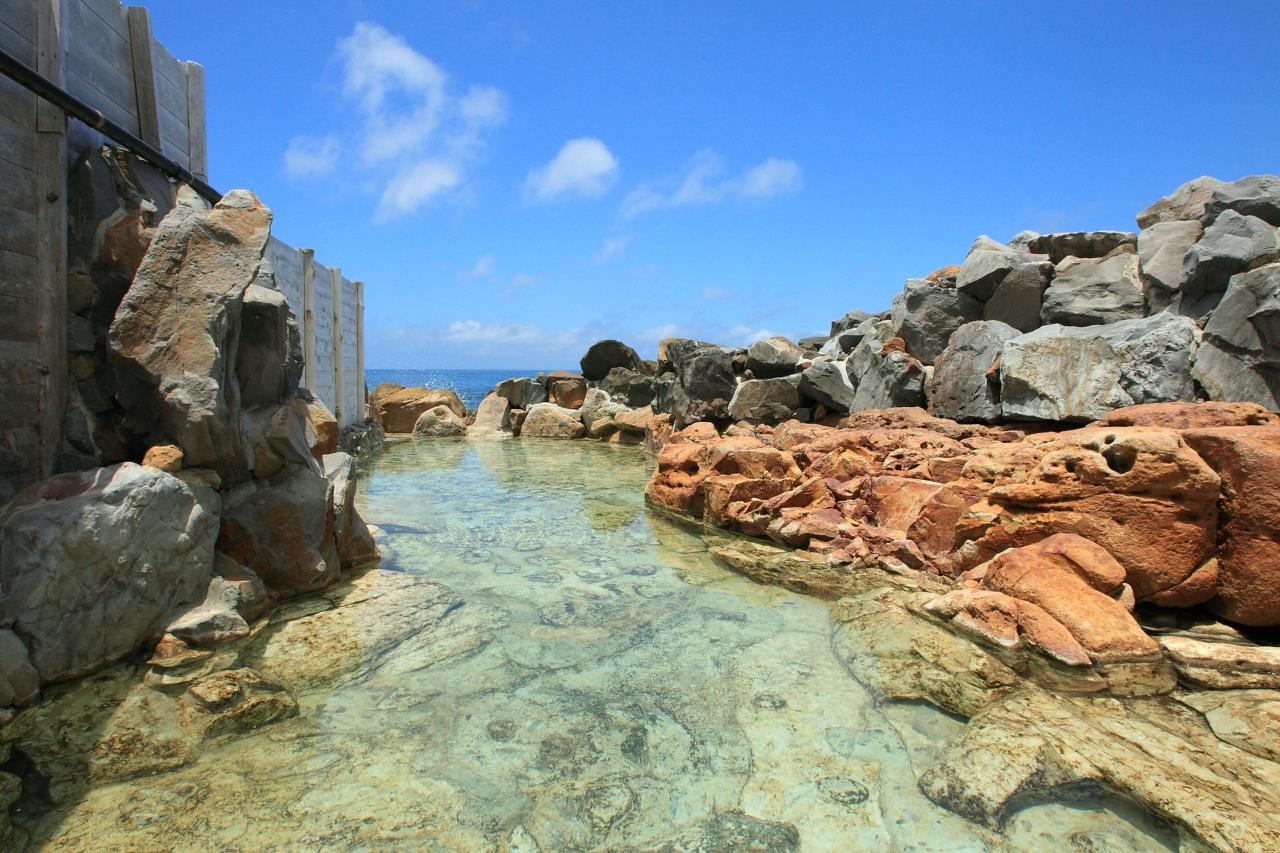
(51, 248)
(362, 387)
(335, 277)
(308, 318)
(197, 145)
(144, 80)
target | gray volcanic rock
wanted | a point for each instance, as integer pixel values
(629, 386)
(849, 321)
(884, 376)
(173, 340)
(965, 385)
(1063, 373)
(598, 412)
(521, 392)
(268, 354)
(93, 564)
(1232, 243)
(1081, 244)
(774, 357)
(1019, 297)
(766, 401)
(19, 681)
(827, 382)
(603, 356)
(847, 340)
(1088, 291)
(1256, 195)
(1239, 359)
(705, 383)
(1161, 249)
(985, 266)
(1188, 201)
(354, 542)
(925, 314)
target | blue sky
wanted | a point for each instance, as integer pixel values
(513, 180)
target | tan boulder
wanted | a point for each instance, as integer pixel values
(1139, 492)
(398, 408)
(634, 421)
(1248, 460)
(439, 422)
(324, 424)
(1069, 577)
(547, 420)
(566, 389)
(163, 457)
(493, 416)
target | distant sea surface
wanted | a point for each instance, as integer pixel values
(470, 385)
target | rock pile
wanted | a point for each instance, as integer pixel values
(191, 365)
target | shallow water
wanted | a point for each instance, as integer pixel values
(595, 681)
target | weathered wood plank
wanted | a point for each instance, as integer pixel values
(17, 187)
(174, 137)
(144, 84)
(17, 144)
(168, 68)
(12, 41)
(87, 90)
(18, 316)
(339, 401)
(105, 82)
(89, 32)
(111, 12)
(17, 104)
(171, 100)
(197, 141)
(308, 318)
(20, 15)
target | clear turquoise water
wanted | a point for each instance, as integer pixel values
(543, 665)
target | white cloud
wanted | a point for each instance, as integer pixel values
(702, 183)
(611, 248)
(311, 156)
(771, 178)
(484, 335)
(584, 167)
(483, 267)
(416, 185)
(744, 335)
(417, 135)
(657, 333)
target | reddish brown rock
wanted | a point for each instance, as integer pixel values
(721, 491)
(895, 502)
(911, 417)
(657, 431)
(686, 461)
(163, 457)
(1059, 575)
(1009, 623)
(1139, 492)
(1191, 415)
(397, 408)
(1248, 460)
(635, 421)
(567, 389)
(324, 424)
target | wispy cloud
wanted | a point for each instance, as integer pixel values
(482, 268)
(610, 249)
(483, 335)
(742, 335)
(584, 167)
(311, 156)
(414, 135)
(657, 333)
(703, 182)
(520, 280)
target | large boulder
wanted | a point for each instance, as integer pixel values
(323, 423)
(19, 680)
(827, 382)
(1161, 249)
(766, 401)
(1080, 244)
(884, 376)
(1138, 492)
(566, 389)
(93, 564)
(439, 422)
(351, 535)
(1088, 291)
(268, 355)
(1061, 373)
(493, 416)
(849, 321)
(985, 266)
(631, 387)
(1256, 195)
(925, 314)
(1248, 460)
(521, 391)
(774, 357)
(547, 420)
(605, 355)
(1019, 297)
(282, 530)
(1231, 244)
(704, 383)
(598, 412)
(397, 409)
(174, 337)
(1239, 357)
(965, 385)
(1187, 202)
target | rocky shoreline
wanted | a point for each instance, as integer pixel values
(1040, 492)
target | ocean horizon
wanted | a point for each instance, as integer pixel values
(470, 385)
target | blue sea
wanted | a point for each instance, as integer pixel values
(470, 385)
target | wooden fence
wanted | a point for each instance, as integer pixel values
(104, 53)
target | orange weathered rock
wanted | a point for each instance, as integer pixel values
(163, 457)
(1009, 623)
(398, 408)
(325, 426)
(1191, 415)
(1248, 460)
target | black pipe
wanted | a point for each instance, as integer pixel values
(78, 109)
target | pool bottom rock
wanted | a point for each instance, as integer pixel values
(541, 664)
